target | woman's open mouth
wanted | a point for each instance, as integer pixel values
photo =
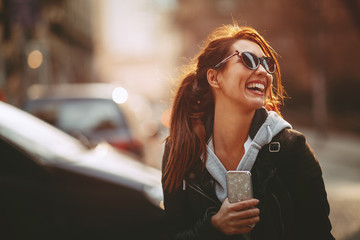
(256, 88)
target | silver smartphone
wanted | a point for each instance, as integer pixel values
(239, 186)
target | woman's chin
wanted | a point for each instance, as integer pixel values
(257, 103)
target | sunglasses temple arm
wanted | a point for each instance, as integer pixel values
(226, 59)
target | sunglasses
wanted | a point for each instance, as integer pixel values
(251, 61)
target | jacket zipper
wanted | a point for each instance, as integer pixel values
(201, 192)
(278, 204)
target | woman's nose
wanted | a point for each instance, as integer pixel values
(261, 70)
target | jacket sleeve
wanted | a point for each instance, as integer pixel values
(181, 222)
(307, 190)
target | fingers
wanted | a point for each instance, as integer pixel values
(247, 221)
(243, 226)
(245, 218)
(244, 204)
(234, 218)
(249, 213)
(244, 209)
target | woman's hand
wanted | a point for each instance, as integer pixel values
(236, 218)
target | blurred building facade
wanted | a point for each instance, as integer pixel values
(44, 42)
(142, 44)
(137, 45)
(129, 43)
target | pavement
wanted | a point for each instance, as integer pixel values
(339, 157)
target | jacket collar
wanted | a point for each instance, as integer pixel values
(258, 120)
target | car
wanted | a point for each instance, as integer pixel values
(86, 110)
(55, 187)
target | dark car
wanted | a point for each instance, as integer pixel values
(54, 187)
(85, 110)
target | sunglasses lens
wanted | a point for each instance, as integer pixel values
(250, 60)
(269, 64)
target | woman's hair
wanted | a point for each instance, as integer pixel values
(194, 101)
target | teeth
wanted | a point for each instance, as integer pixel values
(259, 86)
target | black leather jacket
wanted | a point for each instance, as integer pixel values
(298, 209)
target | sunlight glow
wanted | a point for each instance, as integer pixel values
(165, 118)
(120, 95)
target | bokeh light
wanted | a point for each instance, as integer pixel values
(120, 95)
(35, 59)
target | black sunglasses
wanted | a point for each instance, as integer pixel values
(251, 61)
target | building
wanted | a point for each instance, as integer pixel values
(44, 42)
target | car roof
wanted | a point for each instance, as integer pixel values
(71, 90)
(34, 135)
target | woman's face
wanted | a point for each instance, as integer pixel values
(246, 88)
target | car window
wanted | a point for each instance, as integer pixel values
(85, 115)
(89, 116)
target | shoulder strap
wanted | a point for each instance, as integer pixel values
(277, 147)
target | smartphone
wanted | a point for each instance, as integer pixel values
(239, 186)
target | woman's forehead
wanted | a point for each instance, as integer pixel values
(247, 45)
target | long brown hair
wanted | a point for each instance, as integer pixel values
(194, 101)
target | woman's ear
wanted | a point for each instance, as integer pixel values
(211, 76)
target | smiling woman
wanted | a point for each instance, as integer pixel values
(226, 117)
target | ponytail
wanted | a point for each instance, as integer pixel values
(187, 132)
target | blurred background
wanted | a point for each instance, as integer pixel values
(136, 50)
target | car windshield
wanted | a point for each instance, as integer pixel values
(85, 115)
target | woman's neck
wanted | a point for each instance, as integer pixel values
(231, 130)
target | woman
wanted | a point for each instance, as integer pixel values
(226, 116)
